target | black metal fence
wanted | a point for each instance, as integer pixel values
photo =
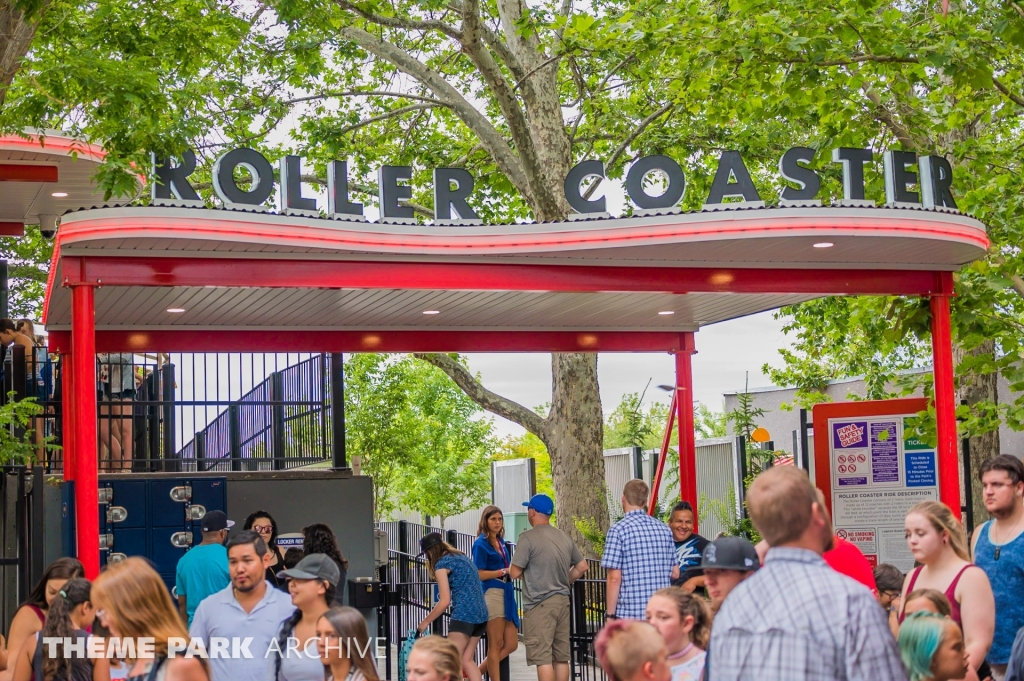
(237, 411)
(409, 595)
(21, 536)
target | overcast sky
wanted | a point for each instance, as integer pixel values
(725, 353)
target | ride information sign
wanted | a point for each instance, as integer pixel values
(877, 474)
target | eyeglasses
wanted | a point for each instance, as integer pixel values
(890, 594)
(263, 529)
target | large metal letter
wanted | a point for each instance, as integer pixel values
(338, 205)
(291, 188)
(853, 161)
(390, 194)
(936, 182)
(571, 186)
(258, 167)
(171, 181)
(676, 183)
(790, 169)
(445, 198)
(898, 177)
(731, 167)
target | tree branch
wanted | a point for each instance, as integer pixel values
(895, 127)
(1016, 99)
(1015, 279)
(485, 131)
(396, 22)
(858, 59)
(629, 140)
(492, 402)
(363, 93)
(389, 114)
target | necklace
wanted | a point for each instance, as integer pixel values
(681, 653)
(999, 548)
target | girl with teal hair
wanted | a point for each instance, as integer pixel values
(932, 648)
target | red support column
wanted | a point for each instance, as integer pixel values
(83, 362)
(945, 400)
(67, 375)
(684, 403)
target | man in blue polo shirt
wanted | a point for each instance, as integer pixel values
(203, 570)
(247, 614)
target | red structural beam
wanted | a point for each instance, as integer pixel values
(16, 172)
(282, 340)
(83, 364)
(687, 445)
(945, 401)
(149, 271)
(12, 229)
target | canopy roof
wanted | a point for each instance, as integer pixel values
(258, 272)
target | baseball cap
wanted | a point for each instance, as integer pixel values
(541, 503)
(314, 566)
(730, 553)
(214, 521)
(430, 540)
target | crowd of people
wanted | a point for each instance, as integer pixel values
(802, 605)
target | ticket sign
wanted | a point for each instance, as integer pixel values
(873, 473)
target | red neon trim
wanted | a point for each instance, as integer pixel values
(50, 144)
(348, 235)
(51, 277)
(132, 271)
(841, 410)
(12, 229)
(13, 172)
(945, 406)
(282, 340)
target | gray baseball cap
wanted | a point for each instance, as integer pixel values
(314, 566)
(730, 553)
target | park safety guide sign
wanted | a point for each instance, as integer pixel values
(878, 474)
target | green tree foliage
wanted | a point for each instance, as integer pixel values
(381, 426)
(450, 468)
(17, 442)
(28, 259)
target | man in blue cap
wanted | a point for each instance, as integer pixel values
(549, 562)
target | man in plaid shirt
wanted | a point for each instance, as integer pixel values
(639, 554)
(797, 619)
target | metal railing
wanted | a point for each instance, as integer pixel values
(406, 579)
(237, 411)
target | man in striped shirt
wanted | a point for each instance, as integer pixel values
(797, 619)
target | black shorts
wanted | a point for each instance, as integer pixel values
(467, 628)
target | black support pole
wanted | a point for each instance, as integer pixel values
(338, 411)
(741, 492)
(170, 453)
(805, 460)
(277, 419)
(4, 290)
(968, 509)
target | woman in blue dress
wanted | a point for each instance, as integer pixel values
(491, 556)
(458, 585)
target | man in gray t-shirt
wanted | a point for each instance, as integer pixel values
(549, 562)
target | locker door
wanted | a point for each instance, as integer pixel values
(167, 518)
(124, 517)
(211, 494)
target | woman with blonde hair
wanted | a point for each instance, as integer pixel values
(938, 543)
(684, 621)
(492, 558)
(133, 602)
(434, 659)
(345, 646)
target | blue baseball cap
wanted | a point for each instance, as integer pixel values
(541, 503)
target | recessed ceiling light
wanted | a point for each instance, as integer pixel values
(667, 312)
(824, 244)
(175, 310)
(431, 312)
(59, 195)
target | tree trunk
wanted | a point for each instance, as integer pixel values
(575, 435)
(973, 389)
(16, 33)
